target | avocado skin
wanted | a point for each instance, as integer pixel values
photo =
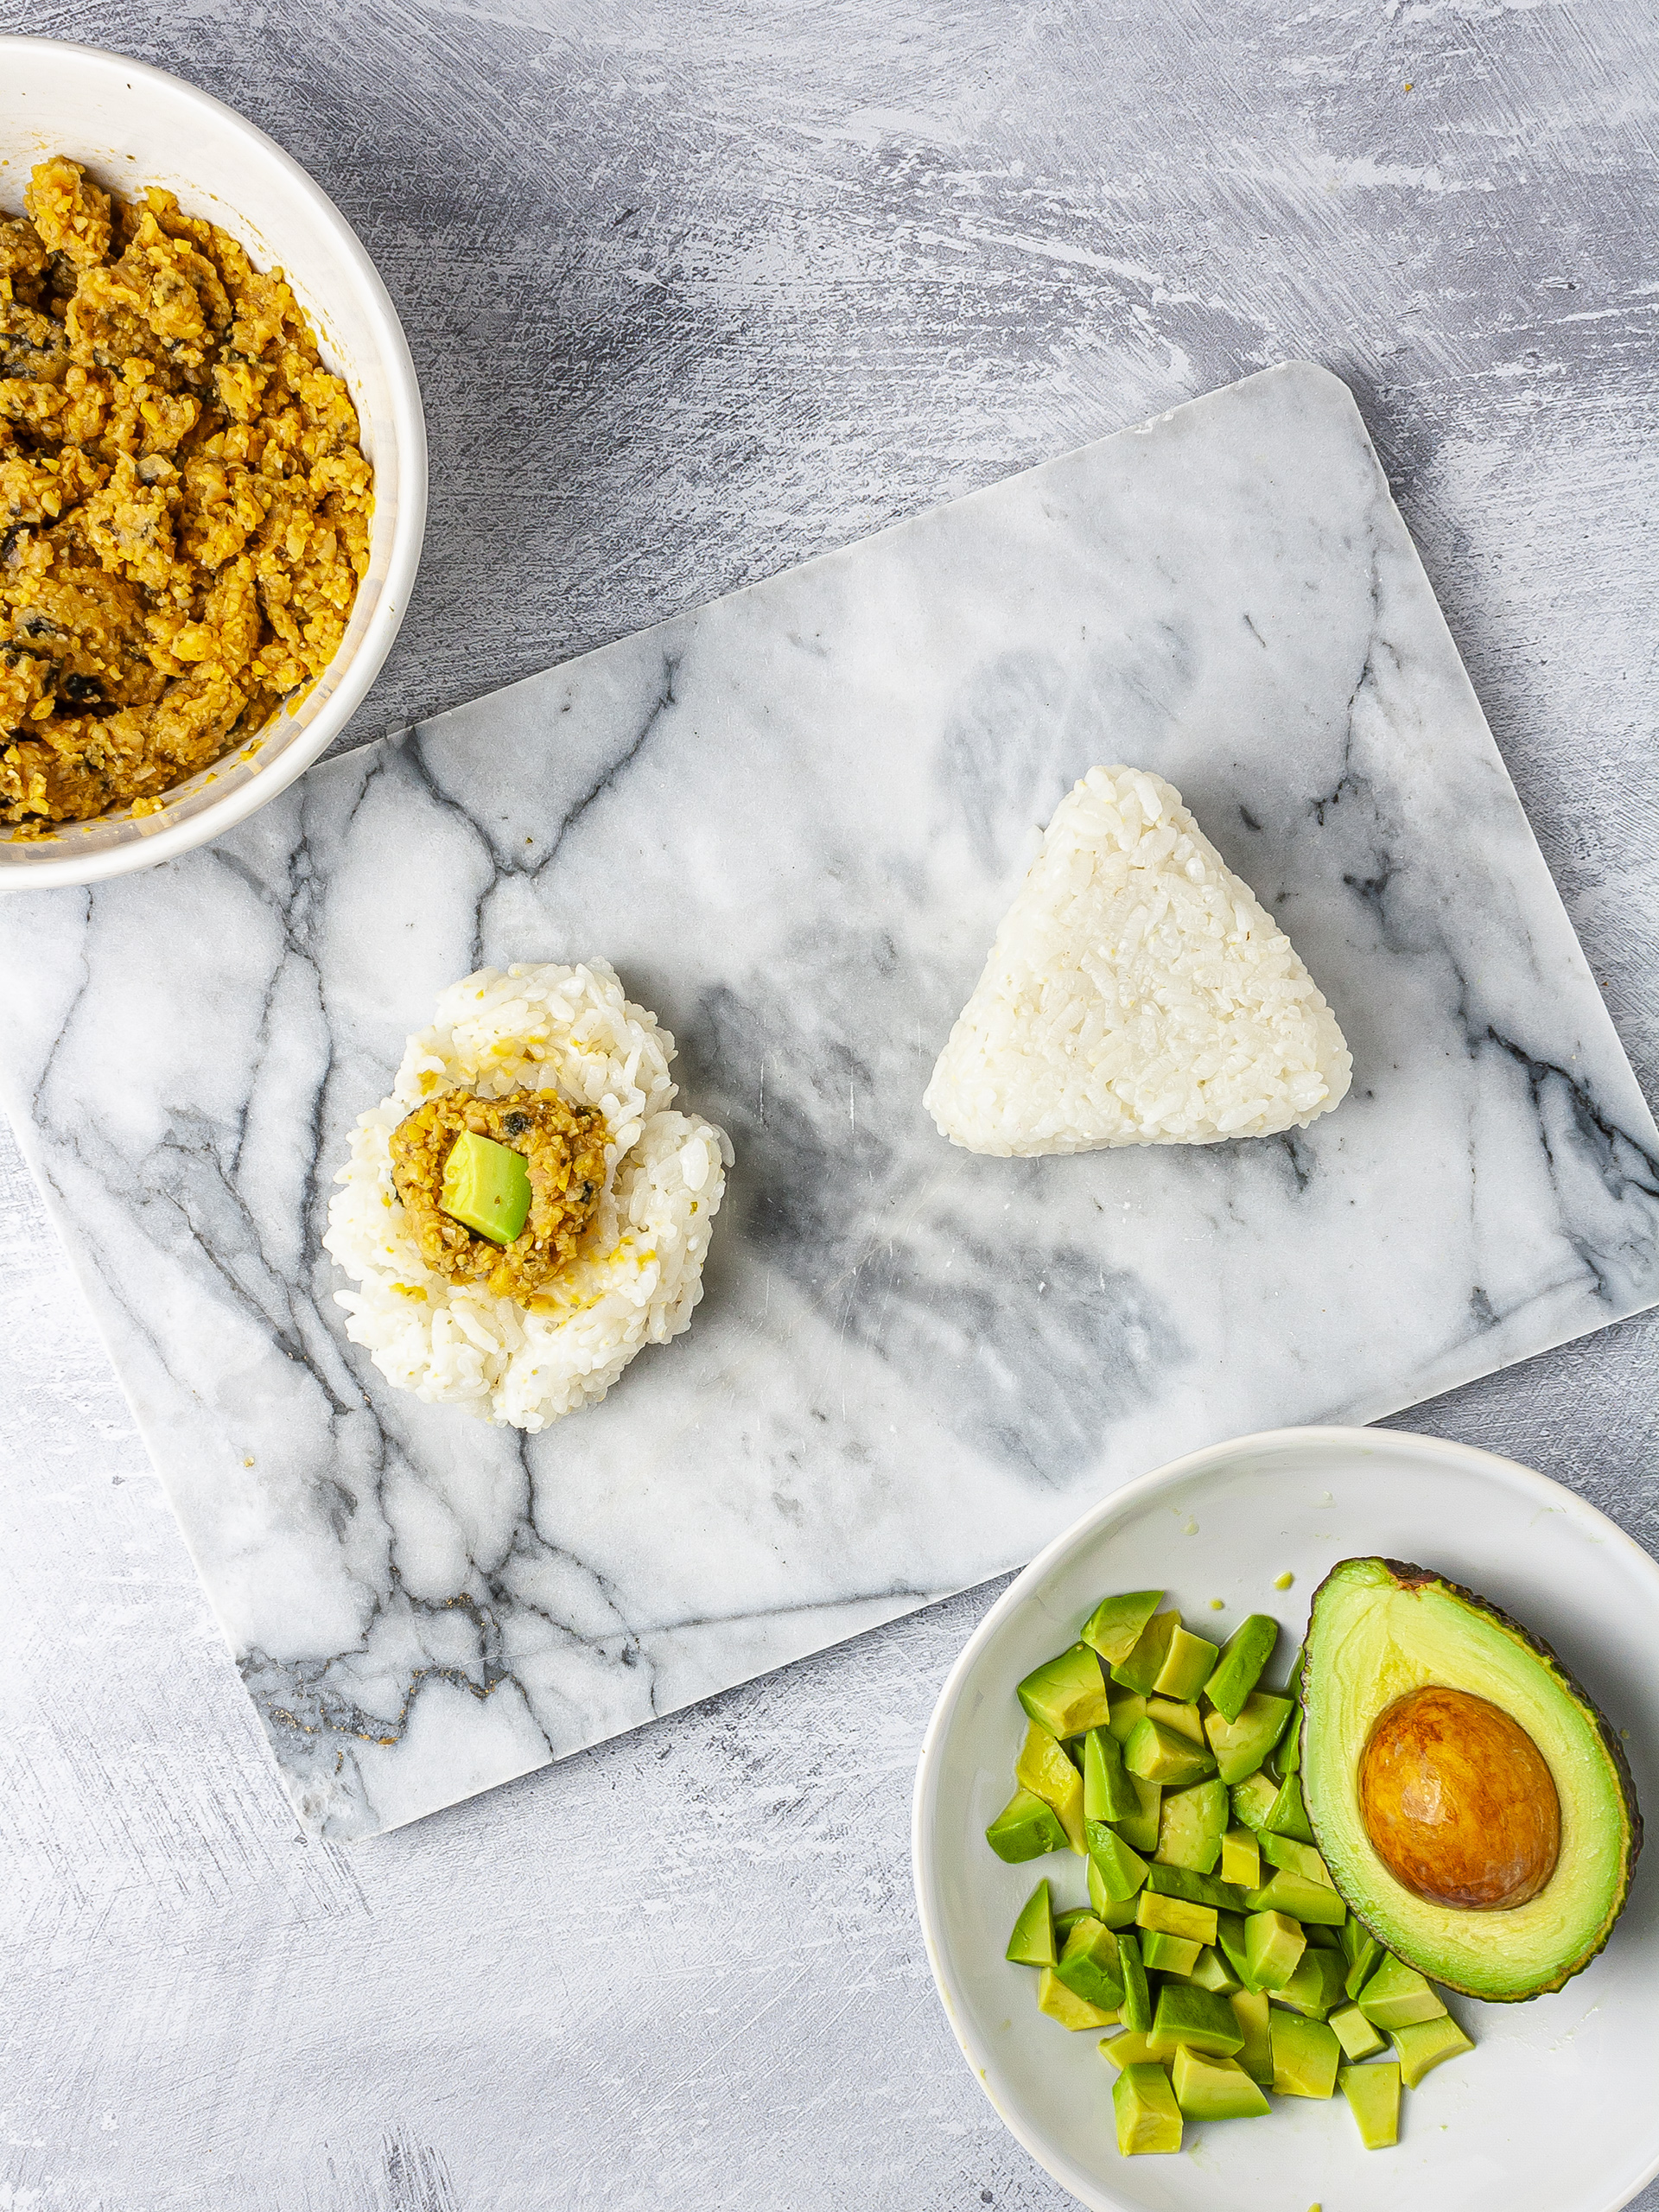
(1409, 1576)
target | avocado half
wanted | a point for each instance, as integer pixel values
(1381, 1629)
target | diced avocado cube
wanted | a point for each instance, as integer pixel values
(1087, 1965)
(1145, 2112)
(1114, 1912)
(1214, 2089)
(1185, 1720)
(1157, 1754)
(1026, 1829)
(1295, 1858)
(1063, 2005)
(1305, 2056)
(1287, 1752)
(1134, 2048)
(1067, 1695)
(1125, 1709)
(1273, 1949)
(1166, 1954)
(1373, 2094)
(1176, 1916)
(1043, 1769)
(1141, 1829)
(1242, 1744)
(1190, 1829)
(1197, 2017)
(1066, 1921)
(1232, 1941)
(1315, 1986)
(1358, 2038)
(1302, 1900)
(485, 1187)
(1032, 1943)
(1114, 1627)
(1136, 2008)
(1253, 1800)
(1425, 2044)
(1241, 1859)
(1362, 1951)
(1212, 1972)
(1244, 1658)
(1321, 1936)
(1289, 1815)
(1398, 1997)
(1108, 1790)
(1252, 2012)
(1146, 1660)
(1121, 1871)
(1188, 1663)
(1196, 1888)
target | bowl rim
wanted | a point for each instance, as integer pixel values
(409, 421)
(1511, 1474)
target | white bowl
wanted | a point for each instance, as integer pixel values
(1554, 2110)
(132, 127)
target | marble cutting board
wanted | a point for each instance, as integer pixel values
(792, 819)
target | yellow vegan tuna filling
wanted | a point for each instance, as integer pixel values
(184, 505)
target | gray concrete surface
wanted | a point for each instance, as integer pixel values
(696, 291)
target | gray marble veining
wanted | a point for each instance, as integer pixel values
(791, 819)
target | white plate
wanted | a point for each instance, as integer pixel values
(1556, 2110)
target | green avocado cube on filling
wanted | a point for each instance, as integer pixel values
(1067, 1695)
(1244, 1659)
(1293, 1858)
(1373, 2094)
(1166, 1954)
(1145, 2112)
(1111, 1912)
(1241, 1859)
(1141, 1829)
(1254, 2014)
(1026, 1829)
(1032, 1943)
(1253, 1800)
(1302, 1900)
(485, 1187)
(1213, 1972)
(1175, 1916)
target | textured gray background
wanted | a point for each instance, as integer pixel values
(696, 291)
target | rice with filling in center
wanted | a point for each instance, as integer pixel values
(639, 1273)
(1136, 993)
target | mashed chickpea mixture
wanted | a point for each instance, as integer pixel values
(184, 508)
(563, 1148)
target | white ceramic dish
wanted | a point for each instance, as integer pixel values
(1555, 2111)
(135, 126)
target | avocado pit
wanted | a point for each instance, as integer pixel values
(1458, 1801)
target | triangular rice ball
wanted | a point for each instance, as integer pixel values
(1136, 993)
